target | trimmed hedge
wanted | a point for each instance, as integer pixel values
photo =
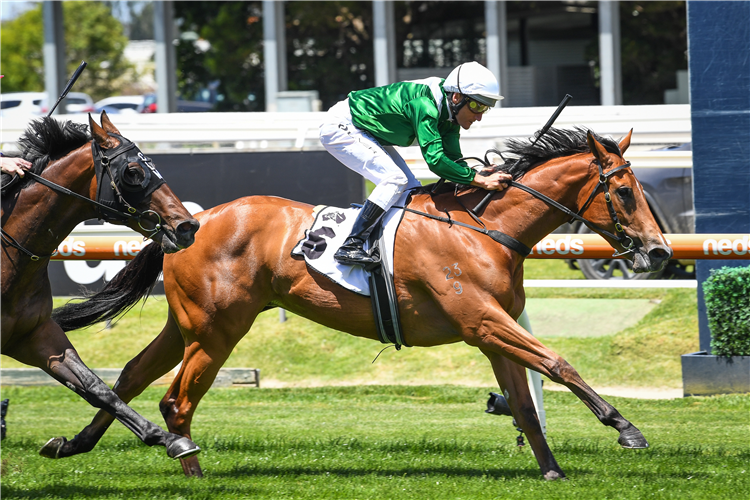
(727, 297)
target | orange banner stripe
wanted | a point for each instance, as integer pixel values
(553, 246)
(684, 246)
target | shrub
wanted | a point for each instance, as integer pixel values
(727, 296)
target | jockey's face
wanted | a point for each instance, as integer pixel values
(465, 117)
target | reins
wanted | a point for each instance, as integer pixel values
(8, 239)
(103, 160)
(498, 236)
(625, 241)
(63, 190)
(11, 241)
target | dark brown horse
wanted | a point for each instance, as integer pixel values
(241, 265)
(75, 178)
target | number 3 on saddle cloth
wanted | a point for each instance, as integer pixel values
(330, 229)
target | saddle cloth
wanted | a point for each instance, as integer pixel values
(331, 227)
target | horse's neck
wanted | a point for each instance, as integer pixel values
(42, 218)
(530, 219)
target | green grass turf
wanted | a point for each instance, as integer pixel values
(383, 442)
(299, 352)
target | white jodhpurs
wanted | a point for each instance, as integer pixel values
(361, 152)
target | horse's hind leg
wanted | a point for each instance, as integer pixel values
(512, 380)
(502, 335)
(158, 358)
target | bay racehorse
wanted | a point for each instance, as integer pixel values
(240, 265)
(74, 177)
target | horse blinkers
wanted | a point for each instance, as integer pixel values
(125, 181)
(136, 176)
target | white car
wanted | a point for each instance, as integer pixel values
(21, 103)
(123, 104)
(76, 102)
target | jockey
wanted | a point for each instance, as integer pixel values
(361, 131)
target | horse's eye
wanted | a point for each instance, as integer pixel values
(624, 192)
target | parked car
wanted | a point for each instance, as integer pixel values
(21, 103)
(75, 102)
(121, 104)
(669, 192)
(149, 105)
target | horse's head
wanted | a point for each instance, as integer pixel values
(617, 203)
(128, 182)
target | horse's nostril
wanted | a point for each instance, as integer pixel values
(188, 228)
(660, 253)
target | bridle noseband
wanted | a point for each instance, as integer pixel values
(625, 241)
(111, 203)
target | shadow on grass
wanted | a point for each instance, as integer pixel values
(183, 490)
(405, 472)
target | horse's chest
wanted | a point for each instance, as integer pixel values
(23, 306)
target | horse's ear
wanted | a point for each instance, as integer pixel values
(625, 142)
(107, 124)
(100, 135)
(599, 152)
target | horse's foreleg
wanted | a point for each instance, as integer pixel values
(160, 356)
(512, 380)
(196, 375)
(504, 336)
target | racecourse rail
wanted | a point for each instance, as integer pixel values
(653, 126)
(554, 246)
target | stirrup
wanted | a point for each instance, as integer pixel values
(353, 253)
(356, 257)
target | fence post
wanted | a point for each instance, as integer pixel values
(535, 380)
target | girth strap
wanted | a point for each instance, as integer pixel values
(384, 298)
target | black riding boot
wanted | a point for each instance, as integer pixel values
(351, 252)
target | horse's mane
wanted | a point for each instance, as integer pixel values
(555, 143)
(47, 140)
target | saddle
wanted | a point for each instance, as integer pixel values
(330, 229)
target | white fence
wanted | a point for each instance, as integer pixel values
(654, 126)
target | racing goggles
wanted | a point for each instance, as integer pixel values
(477, 107)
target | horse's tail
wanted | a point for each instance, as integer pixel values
(125, 290)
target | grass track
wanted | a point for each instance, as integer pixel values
(300, 352)
(383, 442)
(386, 441)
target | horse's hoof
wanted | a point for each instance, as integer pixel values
(631, 438)
(51, 448)
(555, 476)
(182, 447)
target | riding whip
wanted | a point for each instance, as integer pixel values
(543, 131)
(68, 86)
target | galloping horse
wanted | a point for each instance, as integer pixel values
(75, 178)
(240, 265)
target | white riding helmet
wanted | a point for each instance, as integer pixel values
(476, 82)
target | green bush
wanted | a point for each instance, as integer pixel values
(727, 296)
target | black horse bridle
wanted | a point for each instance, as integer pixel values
(114, 202)
(624, 240)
